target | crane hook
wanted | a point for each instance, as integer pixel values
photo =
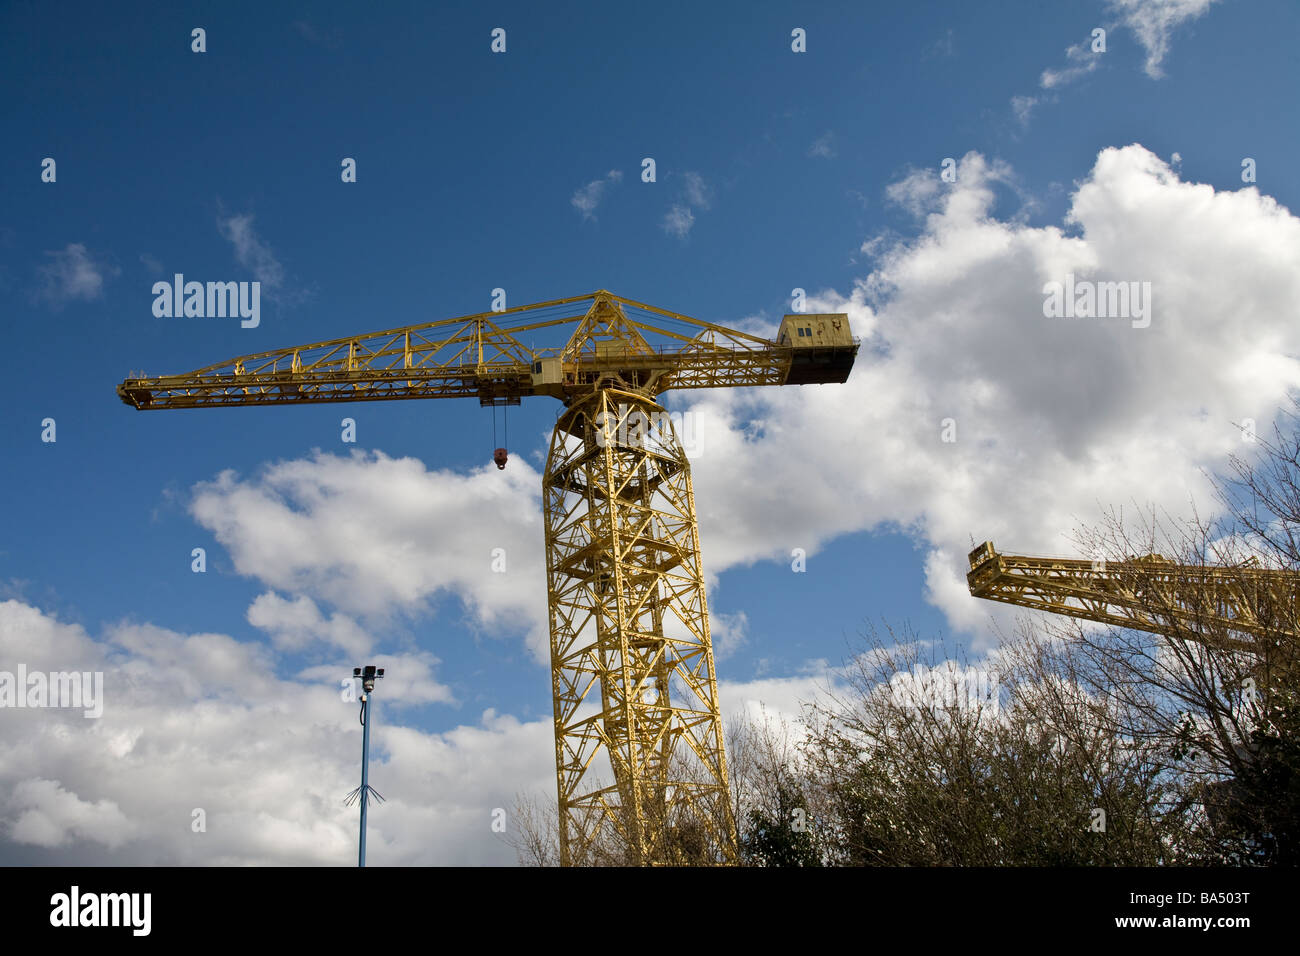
(499, 456)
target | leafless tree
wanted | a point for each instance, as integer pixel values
(967, 766)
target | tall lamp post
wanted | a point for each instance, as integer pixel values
(368, 675)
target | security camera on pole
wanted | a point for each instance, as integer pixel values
(367, 675)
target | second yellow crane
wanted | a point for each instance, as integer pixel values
(1231, 607)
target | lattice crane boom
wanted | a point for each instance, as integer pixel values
(641, 771)
(1148, 593)
(1244, 610)
(484, 356)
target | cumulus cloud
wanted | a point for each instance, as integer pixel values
(373, 535)
(409, 679)
(920, 190)
(71, 275)
(588, 197)
(298, 623)
(49, 816)
(916, 191)
(203, 722)
(1054, 418)
(783, 699)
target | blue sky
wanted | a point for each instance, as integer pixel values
(522, 170)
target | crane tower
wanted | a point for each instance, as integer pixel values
(640, 765)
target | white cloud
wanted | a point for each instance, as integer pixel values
(697, 190)
(72, 274)
(823, 146)
(916, 191)
(376, 536)
(781, 698)
(298, 623)
(202, 721)
(678, 220)
(695, 194)
(1055, 418)
(251, 251)
(409, 678)
(940, 47)
(1154, 21)
(588, 197)
(1082, 62)
(920, 192)
(50, 816)
(728, 632)
(1023, 107)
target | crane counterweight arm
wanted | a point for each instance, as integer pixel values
(481, 355)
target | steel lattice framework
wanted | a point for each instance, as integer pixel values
(1147, 593)
(640, 766)
(631, 660)
(480, 356)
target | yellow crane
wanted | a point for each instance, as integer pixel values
(639, 755)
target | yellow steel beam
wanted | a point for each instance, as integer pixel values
(641, 772)
(1146, 593)
(477, 356)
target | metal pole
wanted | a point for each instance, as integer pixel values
(365, 773)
